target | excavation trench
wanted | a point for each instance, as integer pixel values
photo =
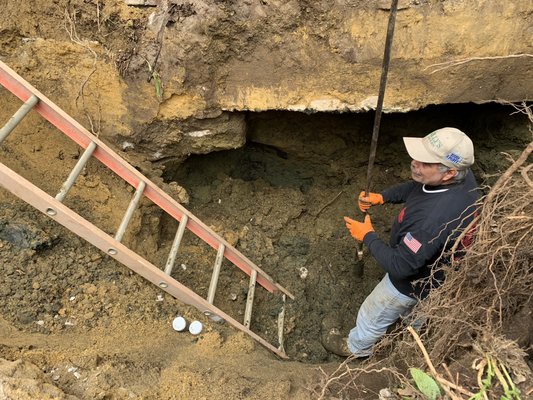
(280, 200)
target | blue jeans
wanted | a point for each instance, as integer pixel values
(380, 310)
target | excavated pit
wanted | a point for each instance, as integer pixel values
(77, 324)
(280, 200)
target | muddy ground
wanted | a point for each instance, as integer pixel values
(75, 323)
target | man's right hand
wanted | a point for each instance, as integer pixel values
(367, 200)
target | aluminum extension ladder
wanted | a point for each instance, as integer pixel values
(55, 209)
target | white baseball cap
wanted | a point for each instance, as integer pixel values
(448, 146)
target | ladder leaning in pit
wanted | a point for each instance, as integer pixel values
(55, 209)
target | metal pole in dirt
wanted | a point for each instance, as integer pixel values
(377, 117)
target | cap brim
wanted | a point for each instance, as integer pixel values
(416, 149)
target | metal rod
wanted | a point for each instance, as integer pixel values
(250, 299)
(381, 95)
(76, 171)
(216, 273)
(176, 245)
(17, 117)
(129, 212)
(281, 323)
(379, 105)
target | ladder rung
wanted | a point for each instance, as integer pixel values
(76, 171)
(216, 273)
(281, 323)
(176, 245)
(17, 117)
(250, 299)
(129, 212)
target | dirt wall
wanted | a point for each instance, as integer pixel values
(150, 78)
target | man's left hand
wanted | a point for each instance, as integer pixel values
(359, 229)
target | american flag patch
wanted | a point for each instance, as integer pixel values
(412, 243)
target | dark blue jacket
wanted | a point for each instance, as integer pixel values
(432, 219)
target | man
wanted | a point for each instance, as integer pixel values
(439, 203)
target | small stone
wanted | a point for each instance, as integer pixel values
(386, 394)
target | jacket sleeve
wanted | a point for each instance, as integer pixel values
(415, 250)
(399, 193)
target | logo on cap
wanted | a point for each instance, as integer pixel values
(454, 158)
(434, 140)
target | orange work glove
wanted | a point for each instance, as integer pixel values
(359, 229)
(372, 199)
